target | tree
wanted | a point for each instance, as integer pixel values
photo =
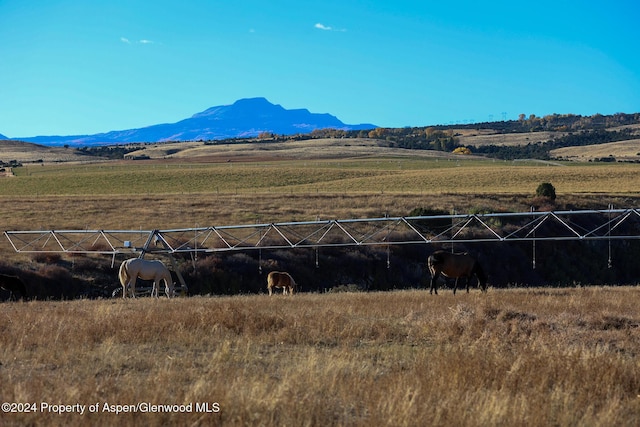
(462, 150)
(547, 190)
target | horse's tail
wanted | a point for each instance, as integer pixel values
(270, 282)
(434, 260)
(123, 274)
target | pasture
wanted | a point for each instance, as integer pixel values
(534, 357)
(177, 194)
(508, 357)
(425, 176)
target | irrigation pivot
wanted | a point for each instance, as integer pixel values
(609, 224)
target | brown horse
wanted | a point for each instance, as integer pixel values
(281, 279)
(455, 266)
(14, 285)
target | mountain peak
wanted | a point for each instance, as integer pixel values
(244, 118)
(245, 106)
(253, 102)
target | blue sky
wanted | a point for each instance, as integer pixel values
(73, 67)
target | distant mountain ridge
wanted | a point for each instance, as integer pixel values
(245, 118)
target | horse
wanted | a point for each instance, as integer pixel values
(281, 279)
(154, 270)
(13, 284)
(455, 265)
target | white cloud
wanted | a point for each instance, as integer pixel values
(323, 27)
(141, 41)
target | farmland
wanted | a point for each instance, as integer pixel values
(523, 356)
(206, 190)
(344, 176)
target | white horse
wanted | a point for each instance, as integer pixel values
(154, 270)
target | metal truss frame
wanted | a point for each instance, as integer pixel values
(610, 224)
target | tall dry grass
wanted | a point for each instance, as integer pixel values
(534, 357)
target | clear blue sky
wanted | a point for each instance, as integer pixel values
(72, 67)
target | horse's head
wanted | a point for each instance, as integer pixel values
(23, 291)
(171, 292)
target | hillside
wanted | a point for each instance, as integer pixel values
(322, 148)
(26, 152)
(627, 149)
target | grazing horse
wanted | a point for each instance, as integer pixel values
(278, 279)
(154, 270)
(455, 266)
(13, 284)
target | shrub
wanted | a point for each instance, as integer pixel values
(547, 190)
(47, 257)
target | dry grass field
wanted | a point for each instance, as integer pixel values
(534, 357)
(622, 150)
(26, 152)
(429, 176)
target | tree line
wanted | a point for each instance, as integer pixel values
(541, 150)
(576, 131)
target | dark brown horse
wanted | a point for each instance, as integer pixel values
(460, 265)
(14, 285)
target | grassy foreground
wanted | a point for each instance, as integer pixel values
(533, 357)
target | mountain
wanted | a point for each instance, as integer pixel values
(244, 118)
(3, 137)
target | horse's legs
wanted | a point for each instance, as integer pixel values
(132, 287)
(468, 278)
(434, 287)
(127, 289)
